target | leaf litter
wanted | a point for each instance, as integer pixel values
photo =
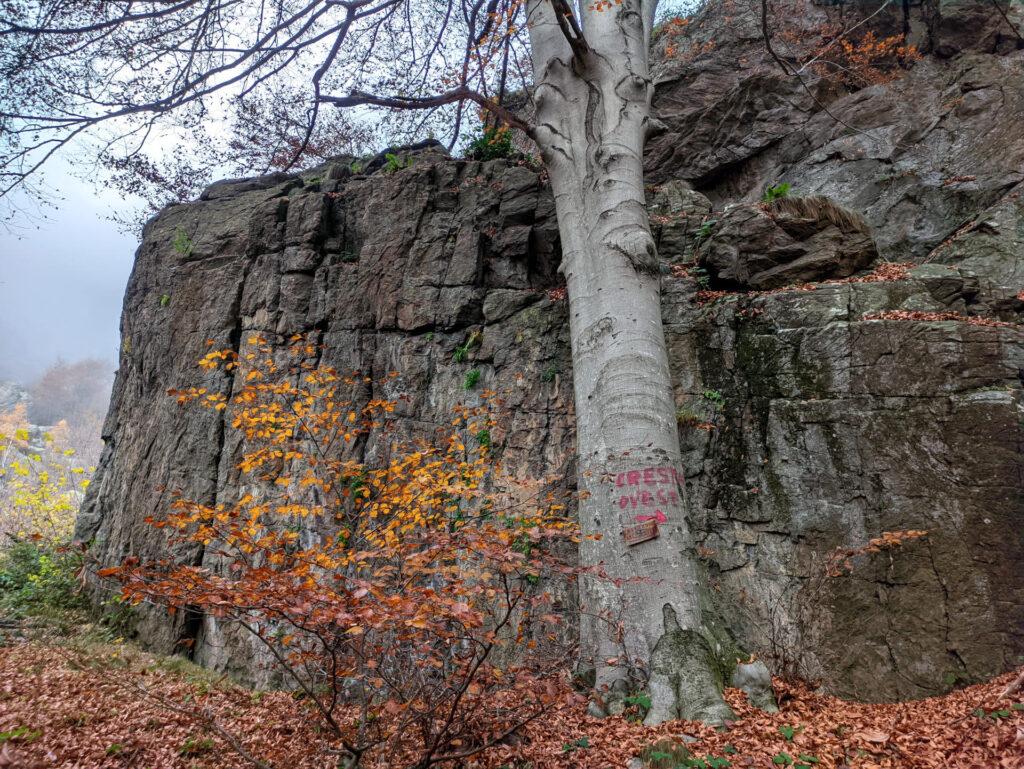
(100, 711)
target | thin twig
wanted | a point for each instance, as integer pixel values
(1007, 20)
(844, 33)
(794, 73)
(209, 721)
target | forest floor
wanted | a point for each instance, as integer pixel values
(90, 705)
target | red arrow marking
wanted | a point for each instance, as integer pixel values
(658, 516)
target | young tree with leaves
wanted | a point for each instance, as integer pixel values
(398, 598)
(119, 72)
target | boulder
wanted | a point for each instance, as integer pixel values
(760, 246)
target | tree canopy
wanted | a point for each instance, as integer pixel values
(250, 85)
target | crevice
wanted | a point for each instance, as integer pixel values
(192, 621)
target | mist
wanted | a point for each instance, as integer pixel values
(62, 281)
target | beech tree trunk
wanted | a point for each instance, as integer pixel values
(593, 111)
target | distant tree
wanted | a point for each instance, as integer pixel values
(74, 392)
(42, 481)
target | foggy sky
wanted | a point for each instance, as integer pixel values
(61, 285)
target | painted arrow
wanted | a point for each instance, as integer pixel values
(658, 516)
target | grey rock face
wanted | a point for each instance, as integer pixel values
(792, 240)
(12, 395)
(677, 213)
(805, 427)
(389, 272)
(918, 157)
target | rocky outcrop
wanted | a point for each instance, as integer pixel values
(788, 241)
(12, 395)
(387, 272)
(812, 419)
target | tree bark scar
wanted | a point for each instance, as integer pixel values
(640, 251)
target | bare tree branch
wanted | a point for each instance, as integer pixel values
(455, 95)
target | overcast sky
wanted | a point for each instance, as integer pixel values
(61, 285)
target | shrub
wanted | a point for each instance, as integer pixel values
(395, 163)
(400, 600)
(857, 62)
(775, 192)
(490, 144)
(38, 581)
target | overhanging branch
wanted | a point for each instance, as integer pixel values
(461, 94)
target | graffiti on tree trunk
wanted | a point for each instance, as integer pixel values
(645, 492)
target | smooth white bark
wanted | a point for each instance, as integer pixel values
(592, 117)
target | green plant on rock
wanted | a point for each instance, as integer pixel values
(182, 243)
(702, 277)
(462, 351)
(686, 417)
(490, 144)
(472, 377)
(395, 163)
(549, 374)
(715, 398)
(165, 299)
(776, 192)
(705, 230)
(484, 438)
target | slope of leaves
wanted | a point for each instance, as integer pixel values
(949, 731)
(85, 709)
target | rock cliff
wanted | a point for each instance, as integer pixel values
(813, 416)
